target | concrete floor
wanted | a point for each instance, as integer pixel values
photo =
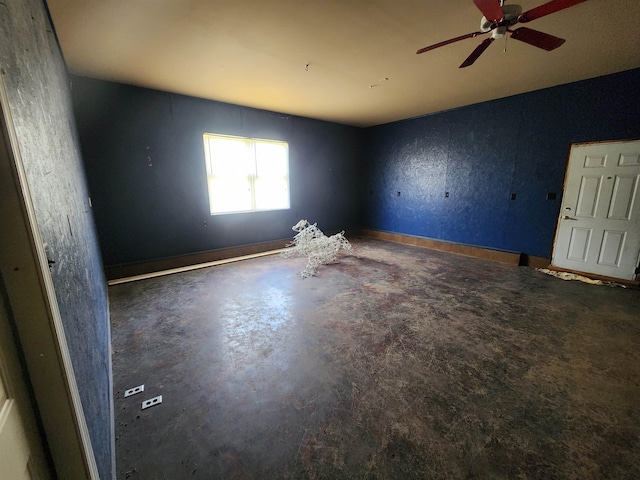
(397, 362)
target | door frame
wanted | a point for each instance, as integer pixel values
(32, 302)
(636, 277)
(17, 407)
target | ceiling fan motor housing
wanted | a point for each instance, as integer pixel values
(511, 14)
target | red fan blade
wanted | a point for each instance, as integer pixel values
(490, 9)
(447, 42)
(537, 39)
(477, 52)
(547, 8)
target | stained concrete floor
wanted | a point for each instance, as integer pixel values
(396, 363)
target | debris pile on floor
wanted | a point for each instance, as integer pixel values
(316, 246)
(581, 278)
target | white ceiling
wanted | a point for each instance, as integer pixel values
(329, 59)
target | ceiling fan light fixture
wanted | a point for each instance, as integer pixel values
(498, 32)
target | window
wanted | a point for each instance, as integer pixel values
(245, 174)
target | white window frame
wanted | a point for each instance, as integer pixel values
(252, 176)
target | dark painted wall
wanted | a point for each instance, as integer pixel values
(37, 84)
(144, 157)
(483, 153)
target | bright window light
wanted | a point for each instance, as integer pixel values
(245, 174)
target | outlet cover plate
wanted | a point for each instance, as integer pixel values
(151, 402)
(133, 391)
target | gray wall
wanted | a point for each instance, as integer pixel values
(38, 89)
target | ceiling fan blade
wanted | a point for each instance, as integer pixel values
(547, 8)
(490, 9)
(537, 39)
(447, 42)
(477, 52)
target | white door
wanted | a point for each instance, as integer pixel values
(21, 453)
(599, 225)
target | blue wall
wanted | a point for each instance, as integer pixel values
(144, 157)
(38, 90)
(483, 153)
(344, 177)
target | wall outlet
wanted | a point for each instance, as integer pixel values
(133, 391)
(151, 402)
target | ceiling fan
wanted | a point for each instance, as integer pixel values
(499, 17)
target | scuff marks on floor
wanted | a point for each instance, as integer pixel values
(396, 362)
